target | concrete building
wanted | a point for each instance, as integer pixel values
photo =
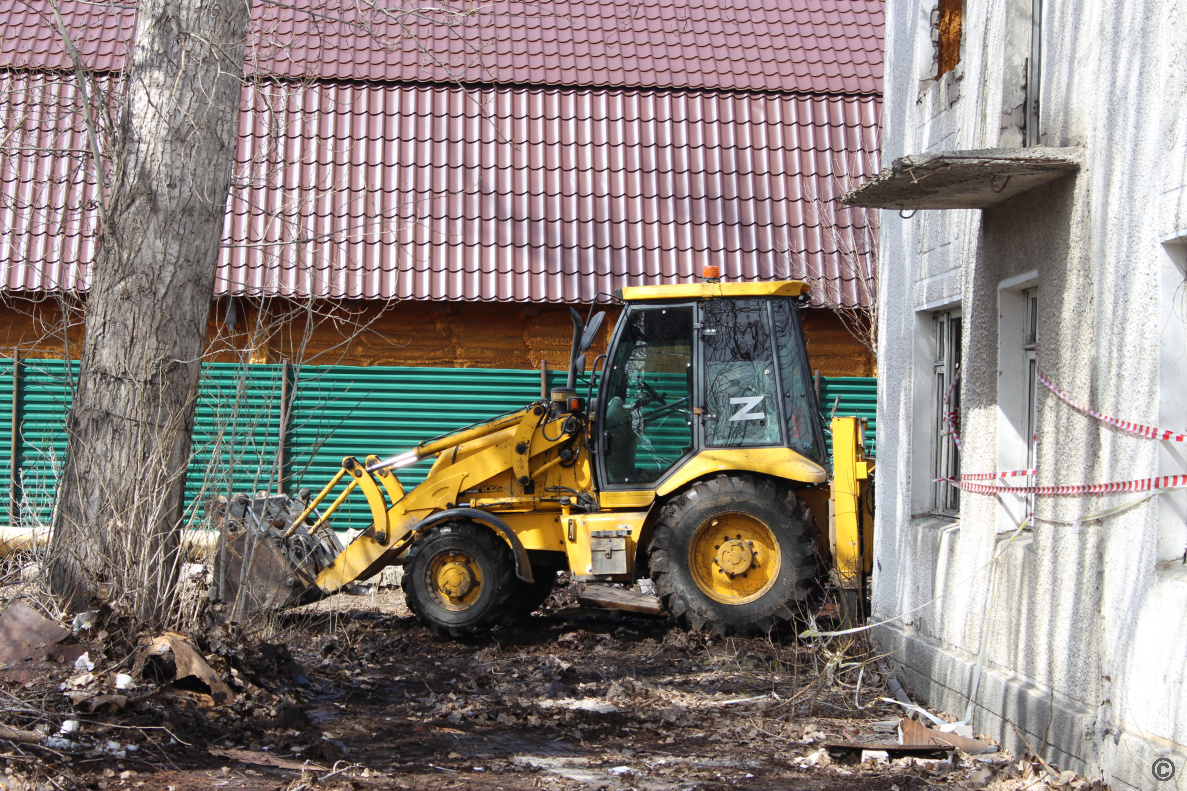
(1034, 189)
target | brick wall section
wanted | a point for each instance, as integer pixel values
(436, 334)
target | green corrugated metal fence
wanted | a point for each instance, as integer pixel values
(6, 459)
(337, 411)
(236, 432)
(344, 411)
(44, 395)
(853, 395)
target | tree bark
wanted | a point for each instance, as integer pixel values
(116, 530)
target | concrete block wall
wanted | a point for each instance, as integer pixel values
(1079, 627)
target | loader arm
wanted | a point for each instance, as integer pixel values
(474, 456)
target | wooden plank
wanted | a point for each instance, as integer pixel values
(893, 749)
(916, 733)
(620, 599)
(915, 738)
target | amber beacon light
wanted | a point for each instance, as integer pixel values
(711, 273)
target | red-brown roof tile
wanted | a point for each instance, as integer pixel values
(377, 191)
(805, 46)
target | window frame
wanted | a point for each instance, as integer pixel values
(1030, 348)
(702, 438)
(1170, 551)
(945, 365)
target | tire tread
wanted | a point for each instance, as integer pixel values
(482, 540)
(690, 607)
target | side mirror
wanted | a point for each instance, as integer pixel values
(583, 338)
(591, 332)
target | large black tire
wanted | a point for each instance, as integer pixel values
(464, 559)
(745, 588)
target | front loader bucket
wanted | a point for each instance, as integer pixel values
(258, 565)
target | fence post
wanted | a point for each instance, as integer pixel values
(543, 378)
(284, 415)
(14, 440)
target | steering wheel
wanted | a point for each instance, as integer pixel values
(652, 395)
(680, 405)
(618, 416)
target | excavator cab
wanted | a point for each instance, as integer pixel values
(684, 376)
(701, 464)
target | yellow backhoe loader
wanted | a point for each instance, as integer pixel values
(700, 463)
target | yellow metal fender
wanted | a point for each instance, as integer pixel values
(776, 462)
(523, 565)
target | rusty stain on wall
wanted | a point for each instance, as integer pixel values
(948, 32)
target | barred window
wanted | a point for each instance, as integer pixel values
(946, 422)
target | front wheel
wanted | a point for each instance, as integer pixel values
(733, 554)
(457, 578)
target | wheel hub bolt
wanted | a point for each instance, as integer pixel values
(456, 579)
(734, 557)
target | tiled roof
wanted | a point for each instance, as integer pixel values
(806, 46)
(354, 190)
(29, 37)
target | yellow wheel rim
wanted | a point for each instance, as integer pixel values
(455, 580)
(734, 558)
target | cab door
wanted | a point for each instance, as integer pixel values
(644, 425)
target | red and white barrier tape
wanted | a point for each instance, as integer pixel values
(1138, 429)
(950, 416)
(1139, 485)
(993, 476)
(1150, 432)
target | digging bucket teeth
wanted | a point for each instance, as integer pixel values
(257, 565)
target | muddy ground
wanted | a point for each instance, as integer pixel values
(355, 694)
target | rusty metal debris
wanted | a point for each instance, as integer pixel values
(27, 637)
(172, 656)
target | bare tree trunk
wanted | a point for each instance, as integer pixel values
(116, 532)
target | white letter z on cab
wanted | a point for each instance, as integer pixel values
(749, 404)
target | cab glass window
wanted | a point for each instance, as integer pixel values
(647, 425)
(741, 395)
(804, 431)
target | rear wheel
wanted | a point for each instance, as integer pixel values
(733, 554)
(457, 578)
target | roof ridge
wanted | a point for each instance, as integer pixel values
(613, 43)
